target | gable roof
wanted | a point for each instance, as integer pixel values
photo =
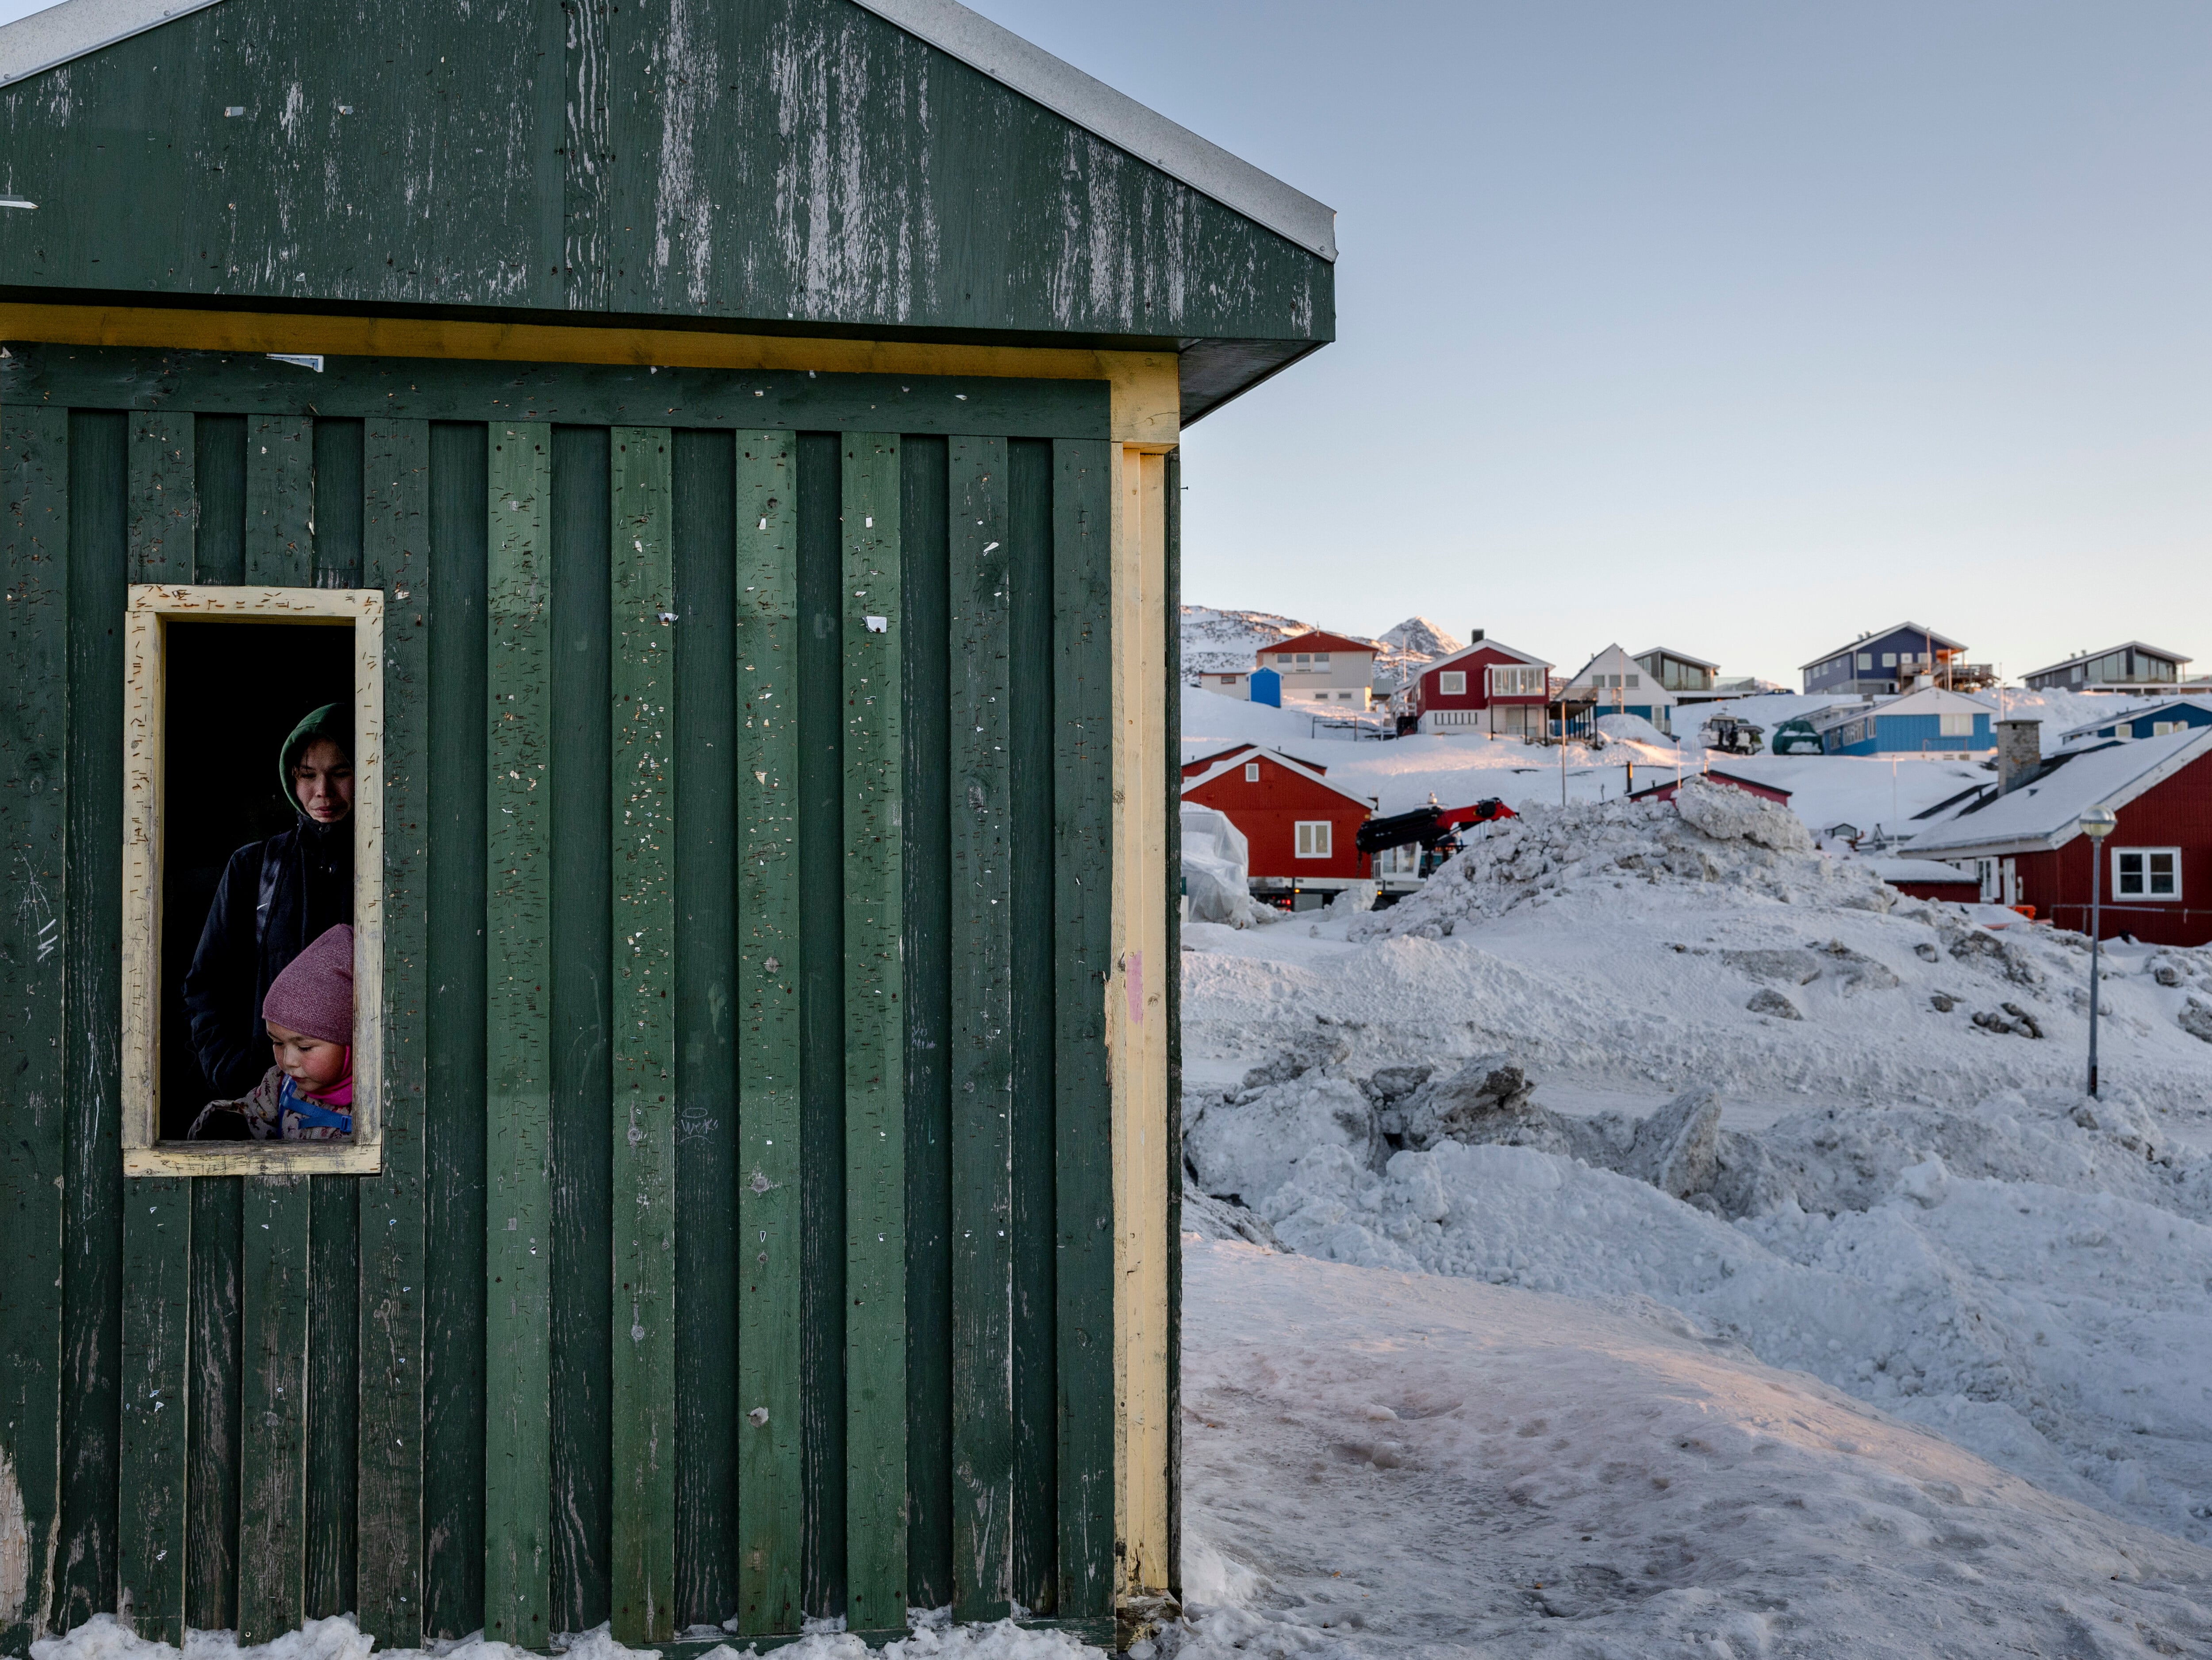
(2140, 711)
(1239, 750)
(2174, 657)
(1735, 780)
(1600, 656)
(1315, 640)
(47, 40)
(1297, 768)
(2045, 812)
(1929, 634)
(1682, 656)
(1497, 646)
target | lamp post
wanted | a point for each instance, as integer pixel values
(2097, 823)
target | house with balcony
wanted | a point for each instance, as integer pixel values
(1615, 683)
(1487, 687)
(1885, 663)
(1688, 679)
(2134, 666)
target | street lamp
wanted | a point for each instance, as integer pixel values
(2097, 823)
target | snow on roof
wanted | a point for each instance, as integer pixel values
(1316, 640)
(76, 28)
(2045, 812)
(1678, 657)
(2134, 712)
(1929, 634)
(1238, 757)
(1497, 646)
(2174, 657)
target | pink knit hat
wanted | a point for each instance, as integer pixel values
(314, 994)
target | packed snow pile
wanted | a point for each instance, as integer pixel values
(1708, 833)
(1217, 864)
(934, 1637)
(1378, 1463)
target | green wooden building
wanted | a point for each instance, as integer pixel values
(726, 451)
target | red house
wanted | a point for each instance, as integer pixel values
(1487, 687)
(2025, 844)
(1714, 775)
(1301, 827)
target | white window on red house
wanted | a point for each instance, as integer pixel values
(1513, 680)
(1251, 772)
(1314, 839)
(2147, 873)
(1452, 683)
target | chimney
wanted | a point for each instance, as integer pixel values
(1475, 637)
(2020, 752)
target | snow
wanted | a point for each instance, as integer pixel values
(2047, 812)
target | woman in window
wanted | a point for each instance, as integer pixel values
(275, 896)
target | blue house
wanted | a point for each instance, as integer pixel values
(2155, 722)
(1267, 688)
(1930, 721)
(1884, 662)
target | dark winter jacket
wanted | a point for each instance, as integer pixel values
(275, 898)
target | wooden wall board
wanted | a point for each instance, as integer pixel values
(393, 1222)
(280, 500)
(820, 724)
(219, 498)
(1171, 625)
(979, 878)
(765, 710)
(871, 634)
(643, 853)
(92, 1216)
(1083, 881)
(33, 767)
(518, 1037)
(214, 1394)
(340, 497)
(1031, 733)
(925, 661)
(164, 507)
(578, 394)
(705, 1186)
(273, 1408)
(157, 1263)
(583, 1232)
(334, 1393)
(453, 1277)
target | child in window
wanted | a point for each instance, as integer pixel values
(307, 1095)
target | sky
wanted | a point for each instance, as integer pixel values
(1742, 328)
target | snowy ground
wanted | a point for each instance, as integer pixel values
(1799, 1304)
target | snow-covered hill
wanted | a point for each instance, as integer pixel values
(1219, 642)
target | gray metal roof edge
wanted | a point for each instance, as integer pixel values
(47, 40)
(1881, 633)
(1115, 117)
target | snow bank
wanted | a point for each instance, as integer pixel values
(1217, 864)
(1377, 1463)
(934, 1637)
(1709, 833)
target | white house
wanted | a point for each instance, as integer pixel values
(1320, 667)
(1615, 683)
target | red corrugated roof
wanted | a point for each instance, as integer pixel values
(1317, 641)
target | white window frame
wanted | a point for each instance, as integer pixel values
(1954, 726)
(2142, 895)
(1451, 683)
(1325, 831)
(151, 607)
(1511, 679)
(1866, 659)
(1251, 772)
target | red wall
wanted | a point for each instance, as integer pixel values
(2175, 814)
(1765, 792)
(1268, 812)
(1476, 666)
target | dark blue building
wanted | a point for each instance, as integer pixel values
(1884, 662)
(2155, 722)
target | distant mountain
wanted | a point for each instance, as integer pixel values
(1418, 637)
(1222, 642)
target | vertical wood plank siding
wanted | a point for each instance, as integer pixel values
(981, 880)
(1171, 786)
(703, 475)
(875, 1106)
(644, 1142)
(583, 1228)
(744, 1246)
(32, 809)
(765, 577)
(91, 1223)
(925, 661)
(394, 1240)
(518, 1037)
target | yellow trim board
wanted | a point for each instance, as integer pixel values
(1137, 1013)
(1146, 387)
(145, 710)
